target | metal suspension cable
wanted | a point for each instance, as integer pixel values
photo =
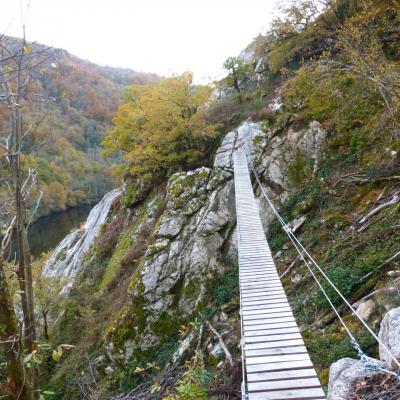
(298, 245)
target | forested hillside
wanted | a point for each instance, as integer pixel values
(150, 309)
(70, 115)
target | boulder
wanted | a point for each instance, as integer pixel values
(389, 334)
(366, 309)
(297, 223)
(175, 249)
(214, 222)
(171, 226)
(342, 376)
(243, 136)
(313, 140)
(183, 346)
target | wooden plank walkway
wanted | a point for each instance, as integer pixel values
(277, 363)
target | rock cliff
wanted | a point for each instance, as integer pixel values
(68, 257)
(172, 257)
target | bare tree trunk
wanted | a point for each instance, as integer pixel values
(236, 85)
(16, 386)
(24, 258)
(17, 64)
(45, 325)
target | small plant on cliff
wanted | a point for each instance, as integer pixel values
(194, 383)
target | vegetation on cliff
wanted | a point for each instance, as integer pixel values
(161, 129)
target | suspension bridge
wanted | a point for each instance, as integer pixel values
(276, 364)
(276, 361)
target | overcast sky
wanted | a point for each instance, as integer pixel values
(162, 36)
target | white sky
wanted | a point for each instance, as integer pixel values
(162, 36)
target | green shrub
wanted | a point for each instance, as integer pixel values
(358, 140)
(226, 288)
(195, 381)
(299, 170)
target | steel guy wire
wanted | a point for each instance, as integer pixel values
(298, 246)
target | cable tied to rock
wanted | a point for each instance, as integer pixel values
(368, 362)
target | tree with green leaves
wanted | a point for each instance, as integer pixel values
(162, 128)
(238, 71)
(16, 386)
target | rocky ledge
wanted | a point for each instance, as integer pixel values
(347, 372)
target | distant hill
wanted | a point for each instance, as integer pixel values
(81, 100)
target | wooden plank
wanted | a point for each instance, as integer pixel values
(266, 328)
(271, 307)
(260, 323)
(257, 286)
(255, 271)
(271, 279)
(258, 273)
(255, 275)
(276, 351)
(295, 394)
(251, 287)
(266, 312)
(271, 345)
(271, 338)
(269, 310)
(282, 366)
(262, 327)
(263, 279)
(250, 298)
(266, 277)
(290, 384)
(245, 265)
(266, 300)
(263, 330)
(282, 375)
(264, 296)
(256, 293)
(267, 318)
(270, 297)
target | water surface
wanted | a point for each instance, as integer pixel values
(47, 232)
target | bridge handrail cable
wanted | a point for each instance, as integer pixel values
(368, 362)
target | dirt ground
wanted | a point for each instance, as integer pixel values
(378, 387)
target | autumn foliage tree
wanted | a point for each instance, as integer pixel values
(162, 128)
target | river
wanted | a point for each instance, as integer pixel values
(47, 232)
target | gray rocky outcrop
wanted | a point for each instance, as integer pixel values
(244, 136)
(342, 376)
(389, 334)
(67, 258)
(280, 151)
(366, 309)
(276, 153)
